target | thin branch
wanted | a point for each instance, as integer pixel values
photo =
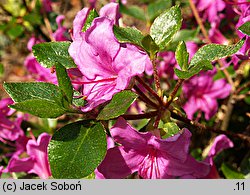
(199, 21)
(150, 90)
(144, 97)
(173, 93)
(156, 78)
(204, 127)
(139, 116)
(244, 86)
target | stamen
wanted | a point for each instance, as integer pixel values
(96, 81)
(31, 133)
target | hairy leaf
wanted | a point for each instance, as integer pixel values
(50, 53)
(165, 26)
(77, 149)
(118, 105)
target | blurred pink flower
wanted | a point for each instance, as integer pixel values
(244, 52)
(152, 157)
(211, 9)
(9, 130)
(107, 65)
(39, 72)
(202, 94)
(37, 162)
(60, 33)
(216, 36)
(47, 5)
(166, 62)
(1, 170)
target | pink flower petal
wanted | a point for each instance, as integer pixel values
(111, 11)
(119, 163)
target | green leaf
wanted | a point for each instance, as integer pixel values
(182, 55)
(229, 173)
(44, 100)
(156, 8)
(1, 70)
(170, 129)
(76, 150)
(78, 99)
(186, 35)
(165, 26)
(91, 16)
(33, 18)
(202, 65)
(245, 28)
(64, 82)
(133, 11)
(149, 45)
(32, 90)
(15, 31)
(118, 105)
(128, 35)
(50, 53)
(212, 52)
(40, 107)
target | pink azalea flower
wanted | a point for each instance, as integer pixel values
(39, 72)
(152, 157)
(4, 109)
(244, 52)
(37, 162)
(202, 94)
(47, 5)
(9, 130)
(1, 170)
(59, 34)
(211, 9)
(110, 144)
(216, 36)
(110, 10)
(220, 143)
(107, 65)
